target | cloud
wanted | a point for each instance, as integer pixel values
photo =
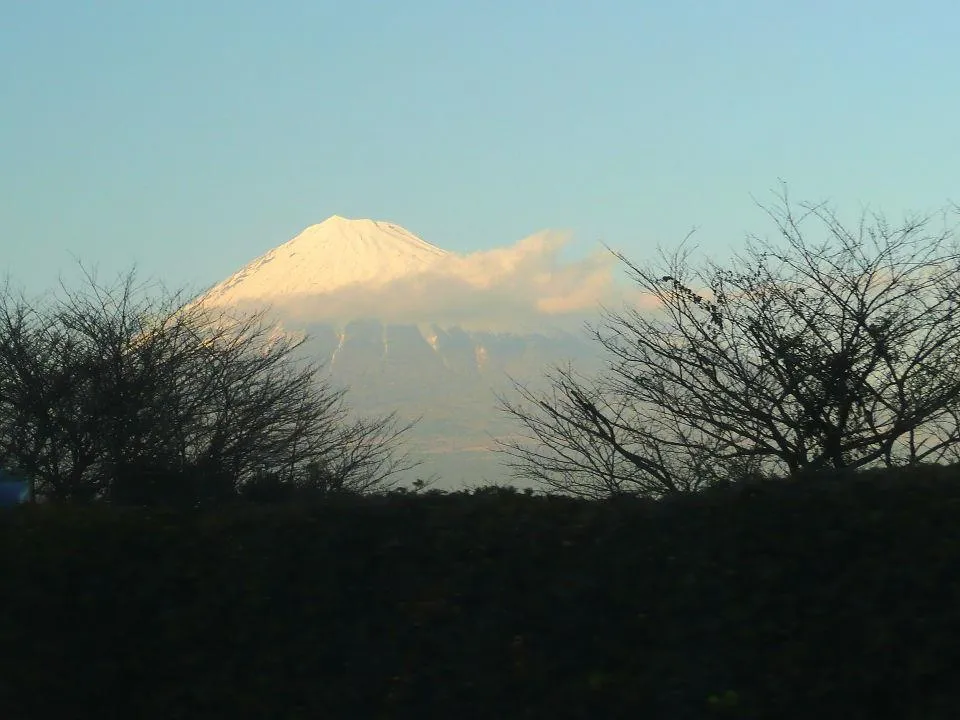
(521, 287)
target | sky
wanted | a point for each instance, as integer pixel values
(190, 137)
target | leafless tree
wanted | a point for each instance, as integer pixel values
(577, 438)
(110, 393)
(800, 354)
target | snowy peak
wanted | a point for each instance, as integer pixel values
(328, 256)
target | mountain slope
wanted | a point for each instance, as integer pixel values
(447, 377)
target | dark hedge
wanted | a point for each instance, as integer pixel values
(830, 597)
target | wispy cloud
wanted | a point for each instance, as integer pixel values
(520, 287)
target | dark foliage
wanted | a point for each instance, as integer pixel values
(761, 600)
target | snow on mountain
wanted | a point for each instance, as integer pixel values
(341, 270)
(334, 254)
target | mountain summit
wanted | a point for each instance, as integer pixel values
(336, 253)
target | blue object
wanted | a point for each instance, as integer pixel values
(13, 490)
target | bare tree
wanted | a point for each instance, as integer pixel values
(110, 393)
(802, 354)
(577, 438)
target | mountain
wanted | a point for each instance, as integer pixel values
(327, 257)
(340, 282)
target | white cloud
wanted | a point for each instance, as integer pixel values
(521, 287)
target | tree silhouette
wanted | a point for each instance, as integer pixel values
(121, 394)
(799, 355)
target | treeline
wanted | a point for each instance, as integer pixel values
(791, 600)
(835, 349)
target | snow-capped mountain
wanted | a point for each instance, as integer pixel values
(342, 281)
(326, 257)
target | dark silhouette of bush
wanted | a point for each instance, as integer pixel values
(774, 599)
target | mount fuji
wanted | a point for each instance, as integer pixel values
(403, 325)
(326, 257)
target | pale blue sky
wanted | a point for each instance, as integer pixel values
(192, 136)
